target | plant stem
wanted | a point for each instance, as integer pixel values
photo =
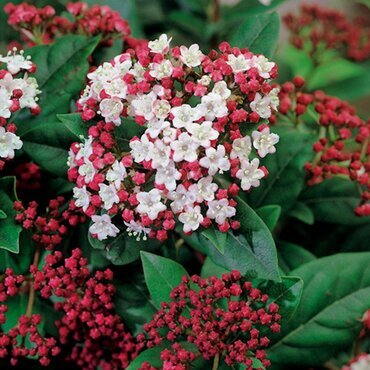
(32, 292)
(216, 362)
(215, 11)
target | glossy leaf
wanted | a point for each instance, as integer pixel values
(259, 34)
(9, 229)
(217, 238)
(291, 256)
(270, 215)
(251, 249)
(161, 276)
(327, 321)
(303, 213)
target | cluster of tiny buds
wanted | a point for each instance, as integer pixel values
(220, 316)
(316, 27)
(42, 25)
(18, 90)
(191, 111)
(12, 342)
(343, 148)
(50, 228)
(28, 175)
(89, 325)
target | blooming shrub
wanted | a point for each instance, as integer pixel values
(179, 191)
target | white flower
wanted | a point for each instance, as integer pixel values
(203, 133)
(138, 72)
(274, 98)
(5, 103)
(104, 73)
(204, 189)
(263, 65)
(155, 127)
(241, 148)
(85, 149)
(88, 171)
(261, 105)
(250, 174)
(16, 62)
(264, 142)
(363, 363)
(167, 175)
(239, 63)
(150, 203)
(192, 57)
(212, 106)
(161, 70)
(220, 88)
(191, 218)
(30, 91)
(160, 45)
(116, 174)
(142, 105)
(160, 154)
(141, 150)
(185, 148)
(169, 134)
(9, 142)
(108, 194)
(136, 229)
(111, 110)
(161, 108)
(184, 115)
(215, 160)
(220, 210)
(102, 227)
(265, 2)
(205, 80)
(181, 198)
(117, 88)
(82, 197)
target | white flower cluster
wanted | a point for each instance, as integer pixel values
(15, 94)
(189, 137)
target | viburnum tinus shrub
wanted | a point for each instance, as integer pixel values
(194, 117)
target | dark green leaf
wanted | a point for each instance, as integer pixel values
(334, 201)
(133, 303)
(2, 214)
(270, 215)
(291, 256)
(74, 123)
(209, 269)
(151, 355)
(303, 213)
(259, 33)
(9, 229)
(328, 319)
(217, 238)
(161, 276)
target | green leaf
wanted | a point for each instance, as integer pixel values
(17, 306)
(259, 34)
(50, 158)
(133, 303)
(334, 201)
(291, 256)
(251, 250)
(328, 319)
(2, 214)
(123, 249)
(61, 70)
(303, 213)
(209, 269)
(270, 215)
(9, 229)
(286, 171)
(74, 123)
(161, 276)
(217, 238)
(286, 294)
(188, 22)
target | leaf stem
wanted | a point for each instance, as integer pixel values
(216, 362)
(32, 292)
